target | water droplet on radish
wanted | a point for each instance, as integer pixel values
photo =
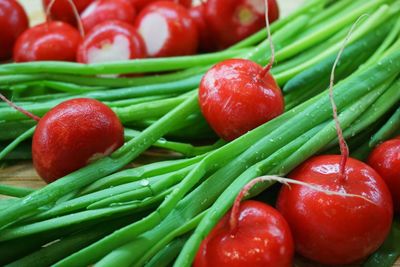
(144, 182)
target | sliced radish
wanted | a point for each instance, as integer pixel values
(111, 41)
(117, 50)
(154, 23)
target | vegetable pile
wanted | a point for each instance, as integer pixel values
(140, 94)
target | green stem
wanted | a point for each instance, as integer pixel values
(14, 191)
(98, 169)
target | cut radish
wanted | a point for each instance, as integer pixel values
(111, 41)
(167, 30)
(154, 23)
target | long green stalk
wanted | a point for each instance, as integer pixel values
(98, 169)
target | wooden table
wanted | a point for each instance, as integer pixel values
(23, 173)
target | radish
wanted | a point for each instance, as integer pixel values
(385, 159)
(330, 228)
(167, 30)
(206, 41)
(51, 40)
(48, 41)
(104, 10)
(73, 134)
(13, 21)
(238, 95)
(253, 234)
(233, 20)
(111, 41)
(62, 10)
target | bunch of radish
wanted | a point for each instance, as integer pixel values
(137, 28)
(339, 211)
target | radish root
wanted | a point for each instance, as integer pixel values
(267, 68)
(344, 149)
(74, 10)
(23, 111)
(234, 216)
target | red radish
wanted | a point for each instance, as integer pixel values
(238, 95)
(332, 229)
(206, 41)
(48, 41)
(62, 10)
(167, 30)
(385, 159)
(104, 10)
(73, 134)
(233, 20)
(13, 21)
(261, 237)
(140, 4)
(111, 41)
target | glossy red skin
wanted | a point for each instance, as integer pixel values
(228, 27)
(234, 99)
(104, 34)
(385, 159)
(62, 10)
(13, 21)
(206, 40)
(333, 229)
(183, 36)
(72, 134)
(262, 239)
(104, 10)
(48, 41)
(140, 4)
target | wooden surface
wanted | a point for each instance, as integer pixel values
(23, 173)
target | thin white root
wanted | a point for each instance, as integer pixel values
(287, 181)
